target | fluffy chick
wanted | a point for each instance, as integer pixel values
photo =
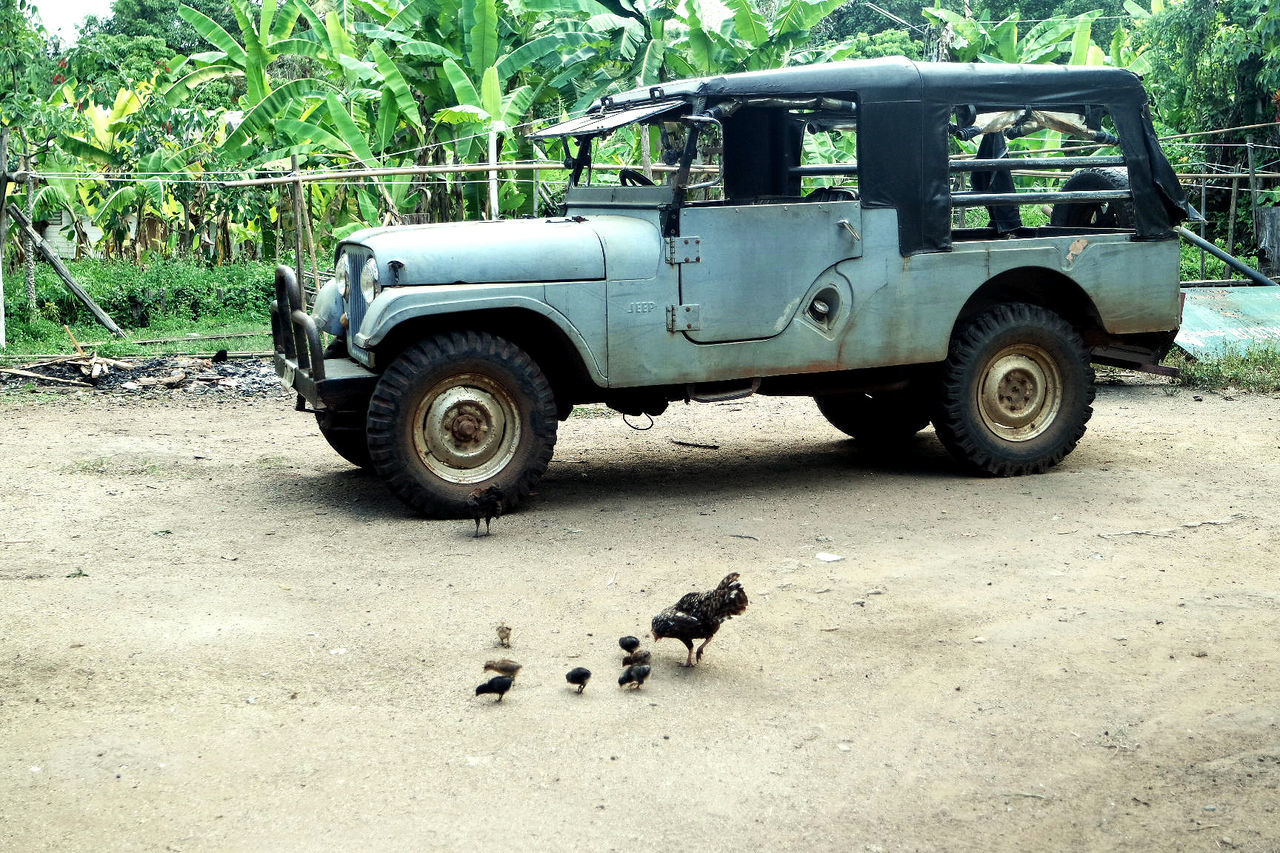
(579, 675)
(504, 636)
(639, 656)
(698, 615)
(629, 644)
(633, 675)
(505, 666)
(499, 684)
(486, 504)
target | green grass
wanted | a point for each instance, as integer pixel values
(112, 467)
(1256, 369)
(591, 412)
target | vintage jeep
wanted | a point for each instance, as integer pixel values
(805, 236)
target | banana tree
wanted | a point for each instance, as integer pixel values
(484, 112)
(60, 193)
(476, 68)
(1047, 41)
(264, 40)
(139, 213)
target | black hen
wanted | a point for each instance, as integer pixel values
(486, 504)
(499, 684)
(698, 615)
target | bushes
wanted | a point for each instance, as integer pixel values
(138, 296)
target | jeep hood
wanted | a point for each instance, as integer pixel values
(517, 250)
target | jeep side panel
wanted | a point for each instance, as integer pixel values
(883, 309)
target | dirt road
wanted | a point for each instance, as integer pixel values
(217, 636)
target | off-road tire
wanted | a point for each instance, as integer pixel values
(876, 420)
(345, 432)
(1015, 392)
(1102, 214)
(457, 412)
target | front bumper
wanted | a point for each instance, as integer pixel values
(327, 384)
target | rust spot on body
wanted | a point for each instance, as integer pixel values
(1076, 250)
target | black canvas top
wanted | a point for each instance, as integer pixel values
(904, 109)
(897, 78)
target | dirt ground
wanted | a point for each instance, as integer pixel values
(216, 635)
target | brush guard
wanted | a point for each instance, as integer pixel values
(326, 384)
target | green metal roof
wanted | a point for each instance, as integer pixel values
(1216, 319)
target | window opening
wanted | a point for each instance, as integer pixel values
(1043, 145)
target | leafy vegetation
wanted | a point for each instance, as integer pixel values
(179, 94)
(169, 298)
(1256, 369)
(140, 121)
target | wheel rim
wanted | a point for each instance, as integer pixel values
(1020, 393)
(466, 428)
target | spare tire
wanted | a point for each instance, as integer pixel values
(1101, 214)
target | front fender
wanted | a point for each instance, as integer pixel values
(398, 305)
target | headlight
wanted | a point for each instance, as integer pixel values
(369, 280)
(342, 274)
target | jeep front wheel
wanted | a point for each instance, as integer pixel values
(1015, 392)
(345, 433)
(458, 412)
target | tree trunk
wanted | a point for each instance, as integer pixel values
(1268, 224)
(28, 249)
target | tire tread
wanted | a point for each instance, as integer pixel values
(950, 422)
(428, 355)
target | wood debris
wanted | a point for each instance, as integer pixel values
(17, 371)
(1167, 533)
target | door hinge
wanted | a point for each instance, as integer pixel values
(684, 318)
(684, 250)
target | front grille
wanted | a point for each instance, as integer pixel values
(356, 306)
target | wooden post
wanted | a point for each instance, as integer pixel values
(4, 224)
(1204, 186)
(299, 266)
(30, 260)
(1253, 191)
(1231, 217)
(311, 241)
(646, 152)
(493, 174)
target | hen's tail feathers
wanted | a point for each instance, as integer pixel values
(729, 598)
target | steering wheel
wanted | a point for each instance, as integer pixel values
(632, 178)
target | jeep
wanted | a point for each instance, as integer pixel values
(807, 231)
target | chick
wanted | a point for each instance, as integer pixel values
(633, 675)
(505, 666)
(579, 675)
(499, 684)
(504, 636)
(629, 644)
(639, 656)
(486, 504)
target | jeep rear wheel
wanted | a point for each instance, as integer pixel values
(1016, 391)
(458, 412)
(888, 417)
